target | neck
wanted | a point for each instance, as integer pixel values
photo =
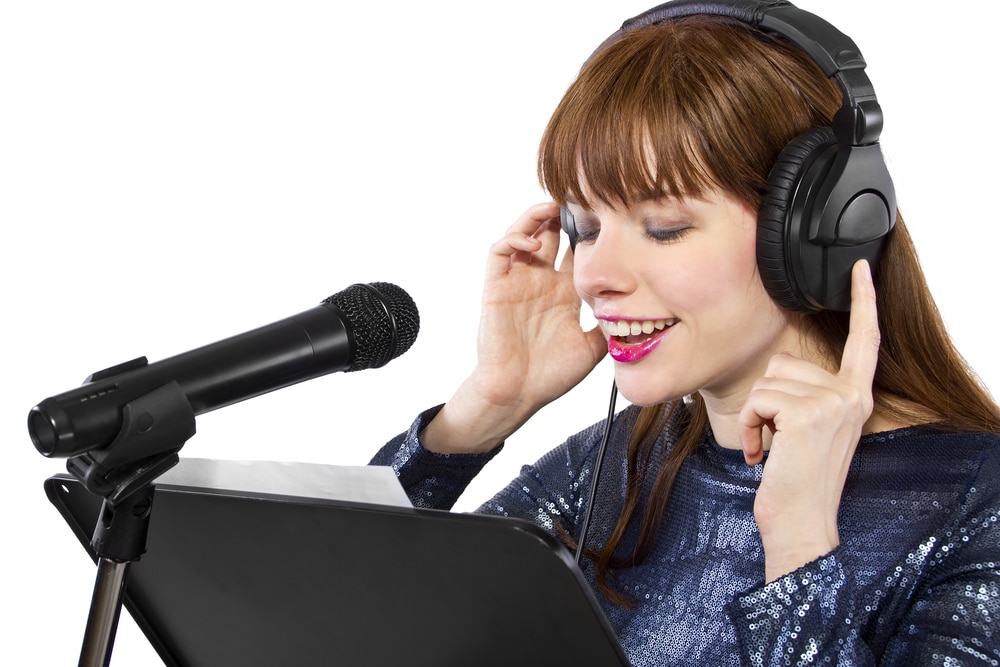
(723, 415)
(725, 401)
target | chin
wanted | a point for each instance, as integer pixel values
(645, 394)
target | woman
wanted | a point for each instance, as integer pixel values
(810, 487)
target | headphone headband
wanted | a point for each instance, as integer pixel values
(859, 121)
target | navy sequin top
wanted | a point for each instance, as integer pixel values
(915, 580)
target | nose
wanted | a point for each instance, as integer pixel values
(601, 268)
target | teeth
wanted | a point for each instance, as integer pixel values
(626, 328)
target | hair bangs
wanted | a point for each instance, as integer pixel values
(605, 140)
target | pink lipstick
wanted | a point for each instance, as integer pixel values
(629, 353)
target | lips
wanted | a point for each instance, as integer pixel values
(632, 340)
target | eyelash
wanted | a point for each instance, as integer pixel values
(663, 236)
(667, 235)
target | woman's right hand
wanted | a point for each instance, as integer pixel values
(531, 347)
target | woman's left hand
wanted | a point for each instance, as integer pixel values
(816, 418)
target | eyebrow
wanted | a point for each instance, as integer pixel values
(641, 200)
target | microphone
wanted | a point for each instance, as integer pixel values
(364, 326)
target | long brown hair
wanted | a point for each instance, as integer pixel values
(705, 103)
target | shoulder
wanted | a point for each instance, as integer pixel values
(921, 438)
(922, 458)
(929, 439)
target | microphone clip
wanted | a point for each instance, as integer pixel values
(154, 427)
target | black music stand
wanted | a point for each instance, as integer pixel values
(240, 578)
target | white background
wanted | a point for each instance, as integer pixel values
(172, 174)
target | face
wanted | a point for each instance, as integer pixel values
(674, 285)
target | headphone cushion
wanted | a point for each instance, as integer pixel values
(772, 219)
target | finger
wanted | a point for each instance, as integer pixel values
(548, 234)
(535, 218)
(792, 386)
(751, 442)
(788, 366)
(511, 248)
(750, 424)
(860, 356)
(520, 242)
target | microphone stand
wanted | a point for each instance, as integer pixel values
(154, 428)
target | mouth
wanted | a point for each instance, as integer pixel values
(632, 340)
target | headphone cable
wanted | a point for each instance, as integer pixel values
(597, 472)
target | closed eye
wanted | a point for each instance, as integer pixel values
(667, 234)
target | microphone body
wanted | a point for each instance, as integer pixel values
(362, 327)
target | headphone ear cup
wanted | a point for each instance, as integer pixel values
(568, 222)
(778, 223)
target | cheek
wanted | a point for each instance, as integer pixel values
(727, 278)
(738, 270)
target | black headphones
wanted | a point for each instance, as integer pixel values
(830, 199)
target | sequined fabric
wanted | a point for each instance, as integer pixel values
(915, 581)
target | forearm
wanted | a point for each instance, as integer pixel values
(430, 479)
(805, 615)
(469, 424)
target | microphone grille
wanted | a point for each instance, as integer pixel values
(382, 319)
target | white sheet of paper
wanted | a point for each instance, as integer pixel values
(375, 485)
